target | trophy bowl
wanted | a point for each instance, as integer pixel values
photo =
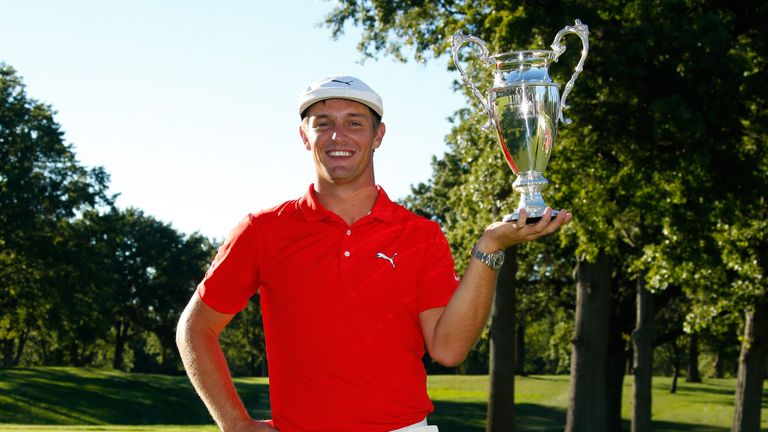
(524, 106)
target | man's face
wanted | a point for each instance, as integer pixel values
(340, 134)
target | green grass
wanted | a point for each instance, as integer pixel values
(74, 400)
(541, 404)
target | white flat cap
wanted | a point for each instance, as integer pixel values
(341, 87)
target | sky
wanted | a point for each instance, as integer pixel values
(191, 106)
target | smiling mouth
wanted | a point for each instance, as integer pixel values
(339, 153)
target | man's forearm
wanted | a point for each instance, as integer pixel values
(207, 369)
(464, 317)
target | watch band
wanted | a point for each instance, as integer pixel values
(494, 260)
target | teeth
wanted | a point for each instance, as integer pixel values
(339, 153)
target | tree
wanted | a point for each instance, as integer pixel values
(149, 270)
(744, 237)
(177, 271)
(693, 359)
(75, 270)
(42, 188)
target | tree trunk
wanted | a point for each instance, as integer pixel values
(501, 398)
(620, 324)
(617, 360)
(258, 364)
(20, 349)
(520, 352)
(587, 402)
(7, 352)
(642, 369)
(749, 384)
(719, 364)
(75, 359)
(121, 336)
(44, 349)
(694, 376)
(170, 360)
(675, 377)
(675, 366)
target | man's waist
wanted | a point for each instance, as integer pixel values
(421, 426)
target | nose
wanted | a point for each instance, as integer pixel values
(337, 134)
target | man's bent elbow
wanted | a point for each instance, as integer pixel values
(185, 330)
(182, 333)
(449, 359)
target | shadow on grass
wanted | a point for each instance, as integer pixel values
(470, 417)
(705, 388)
(539, 418)
(255, 396)
(663, 426)
(724, 394)
(459, 416)
(92, 396)
(66, 396)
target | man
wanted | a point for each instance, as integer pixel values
(352, 288)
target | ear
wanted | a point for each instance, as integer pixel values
(304, 138)
(379, 136)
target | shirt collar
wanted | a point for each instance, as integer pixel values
(383, 209)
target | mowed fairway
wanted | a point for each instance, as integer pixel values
(71, 399)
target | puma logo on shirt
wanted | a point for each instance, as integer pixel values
(384, 256)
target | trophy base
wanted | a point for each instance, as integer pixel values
(512, 217)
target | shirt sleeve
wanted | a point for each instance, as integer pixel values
(440, 279)
(232, 278)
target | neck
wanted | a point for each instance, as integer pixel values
(351, 204)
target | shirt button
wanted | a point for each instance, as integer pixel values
(349, 232)
(346, 253)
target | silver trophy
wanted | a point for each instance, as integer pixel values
(524, 106)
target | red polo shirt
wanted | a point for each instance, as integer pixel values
(340, 306)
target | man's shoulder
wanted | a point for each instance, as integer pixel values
(411, 217)
(285, 209)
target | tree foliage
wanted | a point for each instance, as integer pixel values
(82, 282)
(42, 187)
(658, 131)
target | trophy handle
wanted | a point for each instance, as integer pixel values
(582, 31)
(459, 39)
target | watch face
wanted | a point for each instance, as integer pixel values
(497, 259)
